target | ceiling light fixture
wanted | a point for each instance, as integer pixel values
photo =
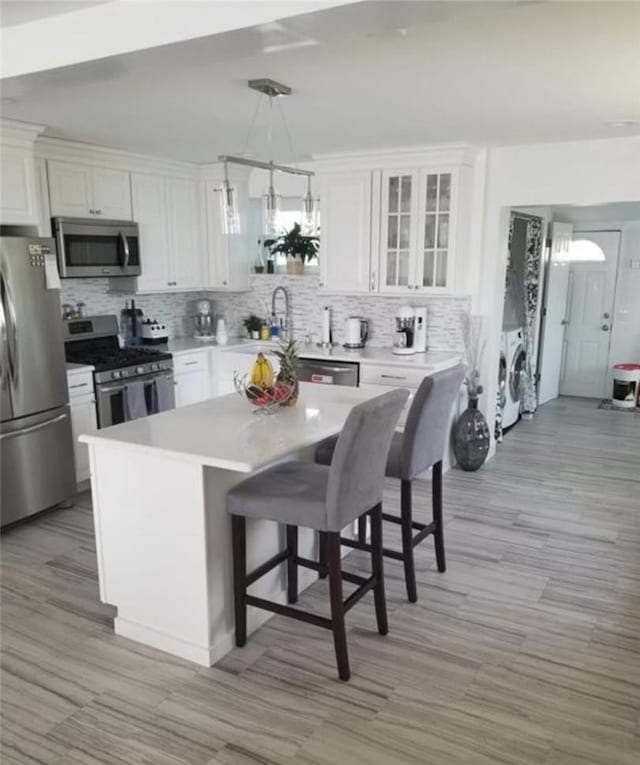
(270, 200)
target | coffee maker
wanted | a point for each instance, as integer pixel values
(411, 330)
(203, 321)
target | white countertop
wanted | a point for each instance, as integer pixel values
(225, 433)
(431, 360)
(73, 369)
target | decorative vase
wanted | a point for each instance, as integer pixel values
(471, 437)
(294, 266)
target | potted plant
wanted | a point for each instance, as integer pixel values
(253, 325)
(297, 248)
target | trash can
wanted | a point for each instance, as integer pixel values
(626, 385)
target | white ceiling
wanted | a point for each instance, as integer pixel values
(15, 12)
(365, 76)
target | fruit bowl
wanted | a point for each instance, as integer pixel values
(263, 400)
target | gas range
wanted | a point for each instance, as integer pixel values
(94, 341)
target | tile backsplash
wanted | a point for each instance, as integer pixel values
(176, 309)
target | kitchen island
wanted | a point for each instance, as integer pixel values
(159, 487)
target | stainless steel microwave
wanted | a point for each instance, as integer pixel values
(88, 248)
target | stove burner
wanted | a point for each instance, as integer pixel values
(112, 359)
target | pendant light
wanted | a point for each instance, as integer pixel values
(270, 199)
(230, 209)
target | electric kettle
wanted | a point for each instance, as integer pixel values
(356, 331)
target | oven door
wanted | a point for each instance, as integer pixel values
(91, 249)
(111, 397)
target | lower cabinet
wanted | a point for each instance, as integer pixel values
(192, 377)
(83, 418)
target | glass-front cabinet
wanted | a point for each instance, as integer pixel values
(416, 233)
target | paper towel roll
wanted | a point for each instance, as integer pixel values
(326, 326)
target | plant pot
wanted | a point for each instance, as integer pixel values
(471, 438)
(255, 334)
(294, 267)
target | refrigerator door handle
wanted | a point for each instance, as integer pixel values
(33, 428)
(11, 328)
(125, 248)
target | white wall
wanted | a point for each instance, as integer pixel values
(582, 173)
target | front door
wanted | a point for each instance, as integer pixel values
(592, 280)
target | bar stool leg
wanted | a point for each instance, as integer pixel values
(322, 553)
(292, 566)
(377, 570)
(239, 546)
(337, 606)
(406, 518)
(438, 534)
(362, 529)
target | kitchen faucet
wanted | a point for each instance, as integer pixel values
(287, 324)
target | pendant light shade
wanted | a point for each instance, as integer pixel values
(310, 212)
(270, 209)
(230, 211)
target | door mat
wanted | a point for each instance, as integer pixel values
(606, 404)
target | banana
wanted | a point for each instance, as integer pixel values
(262, 375)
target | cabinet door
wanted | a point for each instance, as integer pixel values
(435, 254)
(17, 187)
(345, 236)
(83, 421)
(70, 192)
(192, 388)
(186, 255)
(227, 254)
(398, 230)
(111, 193)
(150, 212)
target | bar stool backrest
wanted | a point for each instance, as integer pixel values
(356, 475)
(425, 431)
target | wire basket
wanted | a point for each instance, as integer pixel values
(263, 400)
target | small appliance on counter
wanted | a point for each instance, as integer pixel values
(203, 321)
(153, 332)
(356, 332)
(411, 330)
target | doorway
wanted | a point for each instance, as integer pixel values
(593, 266)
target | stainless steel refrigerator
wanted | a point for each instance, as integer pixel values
(36, 447)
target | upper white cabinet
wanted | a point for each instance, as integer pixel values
(417, 226)
(228, 254)
(168, 215)
(345, 237)
(18, 186)
(87, 191)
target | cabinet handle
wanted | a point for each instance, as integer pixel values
(79, 385)
(373, 280)
(393, 377)
(93, 212)
(225, 284)
(98, 212)
(190, 363)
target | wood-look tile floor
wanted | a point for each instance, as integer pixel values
(526, 651)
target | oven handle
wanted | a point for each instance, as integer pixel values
(114, 387)
(125, 247)
(322, 368)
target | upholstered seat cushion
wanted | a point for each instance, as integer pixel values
(325, 449)
(291, 492)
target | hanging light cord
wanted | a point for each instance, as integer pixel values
(252, 125)
(286, 130)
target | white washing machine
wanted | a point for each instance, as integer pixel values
(512, 361)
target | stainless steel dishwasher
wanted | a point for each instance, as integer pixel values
(328, 372)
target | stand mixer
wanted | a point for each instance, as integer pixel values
(203, 321)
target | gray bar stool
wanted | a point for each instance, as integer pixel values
(325, 499)
(420, 447)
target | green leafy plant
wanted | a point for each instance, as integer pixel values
(253, 323)
(294, 244)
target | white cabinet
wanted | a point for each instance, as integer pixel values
(167, 211)
(192, 377)
(18, 197)
(228, 254)
(187, 256)
(345, 238)
(417, 227)
(85, 191)
(83, 417)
